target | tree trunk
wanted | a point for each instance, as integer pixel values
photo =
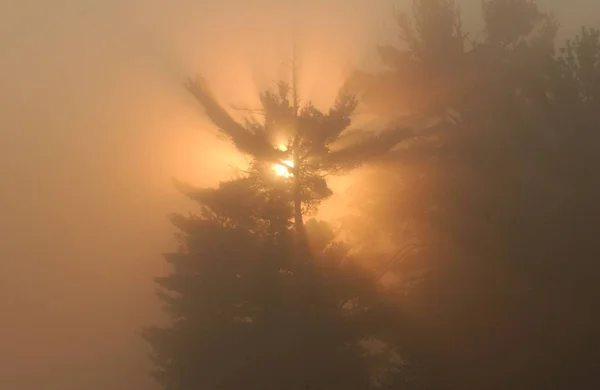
(298, 222)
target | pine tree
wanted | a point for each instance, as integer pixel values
(247, 311)
(506, 195)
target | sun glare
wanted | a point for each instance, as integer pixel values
(283, 169)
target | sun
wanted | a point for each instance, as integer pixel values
(283, 169)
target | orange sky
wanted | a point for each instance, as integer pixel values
(93, 125)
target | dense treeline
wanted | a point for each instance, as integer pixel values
(484, 180)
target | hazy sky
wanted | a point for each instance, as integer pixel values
(93, 125)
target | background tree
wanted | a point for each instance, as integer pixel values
(420, 75)
(500, 195)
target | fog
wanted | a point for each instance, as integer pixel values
(95, 123)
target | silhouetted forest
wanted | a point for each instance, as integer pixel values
(482, 180)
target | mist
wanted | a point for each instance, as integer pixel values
(94, 125)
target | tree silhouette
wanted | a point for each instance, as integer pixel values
(245, 314)
(247, 310)
(502, 196)
(419, 77)
(302, 141)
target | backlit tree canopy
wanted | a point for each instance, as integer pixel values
(306, 143)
